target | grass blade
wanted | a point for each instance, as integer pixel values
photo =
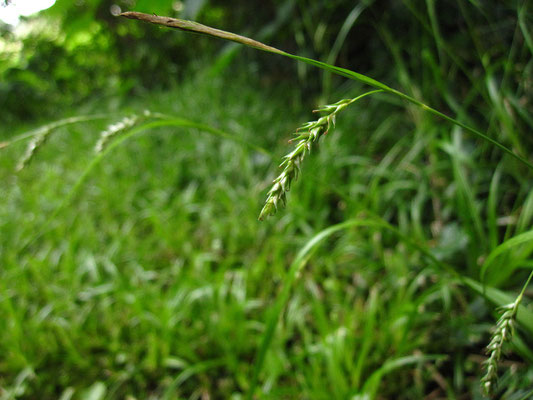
(54, 125)
(206, 30)
(524, 316)
(297, 265)
(500, 298)
(505, 246)
(349, 22)
(372, 384)
(177, 122)
(294, 270)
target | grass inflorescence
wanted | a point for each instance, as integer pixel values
(502, 333)
(115, 129)
(40, 135)
(305, 136)
(153, 278)
(33, 145)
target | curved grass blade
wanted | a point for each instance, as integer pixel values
(178, 122)
(524, 316)
(188, 372)
(206, 30)
(505, 246)
(371, 386)
(349, 22)
(54, 125)
(298, 264)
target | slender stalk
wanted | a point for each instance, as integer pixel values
(54, 125)
(191, 26)
(116, 142)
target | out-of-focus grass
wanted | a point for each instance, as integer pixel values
(157, 280)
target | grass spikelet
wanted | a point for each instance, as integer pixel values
(305, 136)
(33, 145)
(39, 136)
(121, 126)
(206, 30)
(503, 332)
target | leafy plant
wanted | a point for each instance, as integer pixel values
(310, 133)
(159, 282)
(290, 166)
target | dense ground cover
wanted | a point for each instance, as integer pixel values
(156, 279)
(152, 277)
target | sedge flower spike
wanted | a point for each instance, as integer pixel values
(502, 333)
(115, 129)
(34, 144)
(305, 136)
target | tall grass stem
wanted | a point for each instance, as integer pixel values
(206, 30)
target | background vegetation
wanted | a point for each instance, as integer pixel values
(152, 278)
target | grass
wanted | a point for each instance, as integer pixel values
(190, 26)
(142, 272)
(502, 333)
(157, 280)
(305, 136)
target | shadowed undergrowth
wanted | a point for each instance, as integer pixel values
(157, 280)
(133, 264)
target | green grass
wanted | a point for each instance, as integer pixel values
(157, 279)
(143, 272)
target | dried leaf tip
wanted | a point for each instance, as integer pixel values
(192, 26)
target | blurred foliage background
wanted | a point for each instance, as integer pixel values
(79, 50)
(155, 281)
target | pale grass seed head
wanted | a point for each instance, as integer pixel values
(114, 129)
(43, 133)
(33, 145)
(503, 331)
(304, 137)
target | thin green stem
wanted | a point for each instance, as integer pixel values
(177, 122)
(54, 125)
(519, 298)
(206, 30)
